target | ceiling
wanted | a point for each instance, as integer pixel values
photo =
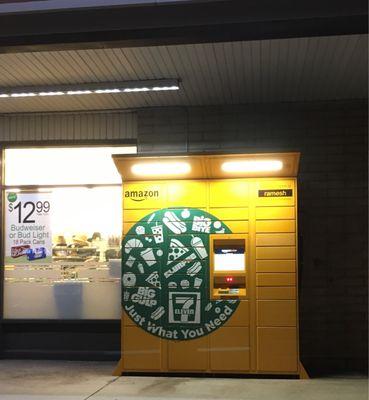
(279, 70)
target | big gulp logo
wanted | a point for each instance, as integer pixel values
(141, 195)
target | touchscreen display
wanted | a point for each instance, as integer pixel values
(229, 259)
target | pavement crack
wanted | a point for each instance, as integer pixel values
(102, 388)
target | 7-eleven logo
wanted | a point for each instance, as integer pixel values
(184, 308)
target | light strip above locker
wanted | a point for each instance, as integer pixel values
(207, 166)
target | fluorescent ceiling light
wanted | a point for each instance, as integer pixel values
(79, 92)
(29, 94)
(158, 88)
(161, 168)
(143, 89)
(93, 88)
(57, 93)
(252, 166)
(107, 91)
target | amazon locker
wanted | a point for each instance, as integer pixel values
(209, 264)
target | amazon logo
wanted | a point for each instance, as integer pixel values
(140, 195)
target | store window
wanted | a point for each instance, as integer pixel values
(62, 233)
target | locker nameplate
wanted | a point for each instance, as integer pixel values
(276, 193)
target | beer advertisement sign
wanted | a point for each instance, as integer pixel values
(28, 237)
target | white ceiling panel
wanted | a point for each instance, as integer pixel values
(283, 70)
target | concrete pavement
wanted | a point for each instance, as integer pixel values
(66, 380)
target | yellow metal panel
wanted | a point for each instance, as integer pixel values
(144, 195)
(238, 226)
(275, 212)
(126, 320)
(275, 239)
(136, 215)
(276, 312)
(229, 193)
(241, 317)
(277, 349)
(239, 345)
(276, 266)
(275, 226)
(276, 253)
(251, 285)
(187, 194)
(127, 226)
(277, 183)
(276, 279)
(141, 351)
(276, 293)
(275, 201)
(230, 350)
(188, 355)
(231, 214)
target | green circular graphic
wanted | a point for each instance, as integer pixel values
(12, 197)
(165, 274)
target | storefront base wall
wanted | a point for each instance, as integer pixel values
(67, 340)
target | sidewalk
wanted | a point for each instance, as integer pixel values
(67, 380)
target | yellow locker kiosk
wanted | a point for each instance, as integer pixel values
(209, 264)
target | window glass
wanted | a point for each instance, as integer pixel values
(76, 274)
(83, 278)
(62, 166)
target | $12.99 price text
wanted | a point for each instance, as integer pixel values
(26, 211)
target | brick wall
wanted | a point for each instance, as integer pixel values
(333, 207)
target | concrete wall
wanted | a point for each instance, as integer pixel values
(332, 138)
